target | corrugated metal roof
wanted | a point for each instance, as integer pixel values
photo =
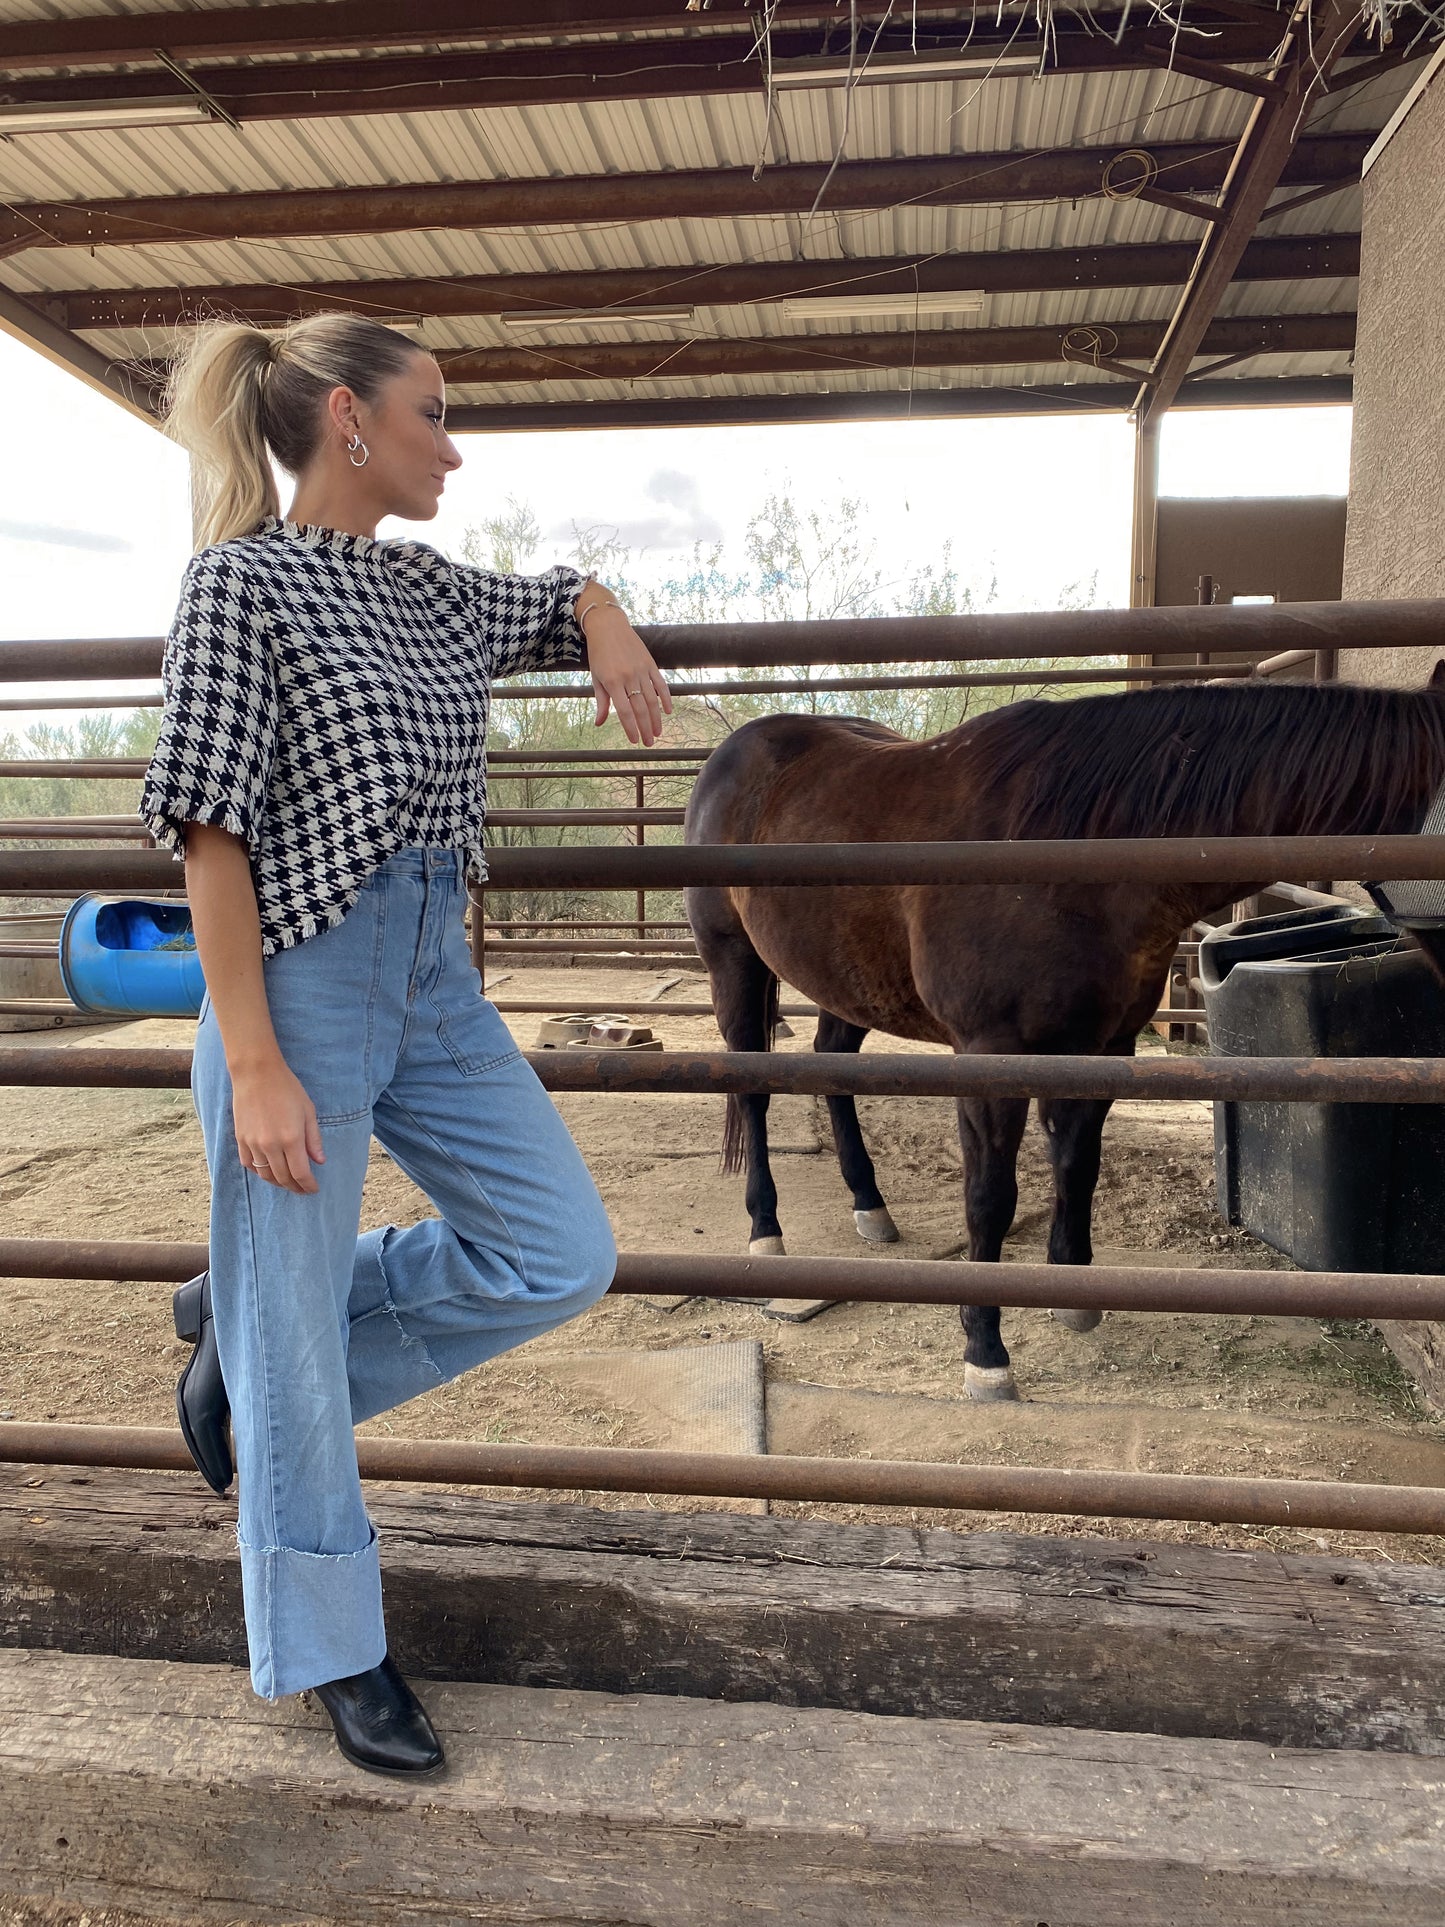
(1124, 109)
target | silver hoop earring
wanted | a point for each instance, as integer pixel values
(351, 448)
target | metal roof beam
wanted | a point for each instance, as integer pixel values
(232, 32)
(958, 180)
(1320, 38)
(611, 292)
(23, 323)
(689, 63)
(845, 354)
(898, 404)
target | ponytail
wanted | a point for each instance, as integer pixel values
(238, 395)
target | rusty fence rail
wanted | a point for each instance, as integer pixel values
(515, 764)
(1252, 860)
(864, 1281)
(1307, 1503)
(756, 685)
(1188, 631)
(125, 829)
(1286, 1080)
(981, 1488)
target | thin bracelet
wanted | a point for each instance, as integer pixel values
(592, 609)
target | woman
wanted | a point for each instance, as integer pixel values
(320, 770)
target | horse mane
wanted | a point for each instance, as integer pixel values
(1216, 759)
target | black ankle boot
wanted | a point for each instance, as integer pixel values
(201, 1402)
(380, 1723)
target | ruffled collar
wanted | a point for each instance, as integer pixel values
(311, 536)
(394, 550)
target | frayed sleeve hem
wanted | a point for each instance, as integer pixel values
(168, 825)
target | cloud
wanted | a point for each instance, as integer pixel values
(670, 485)
(687, 522)
(55, 536)
(666, 532)
(644, 532)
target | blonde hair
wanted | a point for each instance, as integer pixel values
(238, 395)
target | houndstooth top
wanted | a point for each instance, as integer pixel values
(326, 698)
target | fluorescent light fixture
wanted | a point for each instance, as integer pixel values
(93, 116)
(829, 71)
(591, 317)
(865, 307)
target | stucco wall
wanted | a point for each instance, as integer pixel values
(1395, 532)
(1395, 535)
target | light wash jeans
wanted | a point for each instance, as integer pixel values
(382, 1019)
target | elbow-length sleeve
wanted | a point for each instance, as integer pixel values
(213, 758)
(526, 621)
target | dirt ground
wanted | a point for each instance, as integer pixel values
(1264, 1396)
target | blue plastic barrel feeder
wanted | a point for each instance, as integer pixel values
(131, 958)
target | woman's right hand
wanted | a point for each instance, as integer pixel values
(277, 1135)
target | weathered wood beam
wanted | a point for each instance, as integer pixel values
(949, 180)
(1011, 271)
(898, 404)
(1130, 1635)
(1320, 38)
(843, 354)
(157, 1788)
(693, 63)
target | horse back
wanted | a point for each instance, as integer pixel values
(790, 779)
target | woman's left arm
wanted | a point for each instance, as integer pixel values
(624, 676)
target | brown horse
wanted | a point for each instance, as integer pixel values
(1057, 968)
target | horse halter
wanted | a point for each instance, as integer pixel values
(351, 448)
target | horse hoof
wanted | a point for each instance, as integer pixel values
(766, 1248)
(876, 1227)
(990, 1384)
(1078, 1321)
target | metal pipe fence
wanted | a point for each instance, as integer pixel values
(765, 685)
(123, 768)
(1195, 633)
(1188, 632)
(863, 1281)
(1252, 860)
(1306, 1503)
(1275, 1080)
(123, 829)
(538, 949)
(758, 685)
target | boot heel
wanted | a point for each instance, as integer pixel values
(186, 1310)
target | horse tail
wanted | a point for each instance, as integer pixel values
(734, 1146)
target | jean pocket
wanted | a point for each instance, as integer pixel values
(470, 1029)
(473, 1057)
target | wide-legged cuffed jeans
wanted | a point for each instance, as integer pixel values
(382, 1019)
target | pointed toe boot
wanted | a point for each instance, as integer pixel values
(201, 1402)
(380, 1723)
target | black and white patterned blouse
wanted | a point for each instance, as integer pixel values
(326, 698)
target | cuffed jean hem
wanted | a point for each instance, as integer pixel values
(319, 1613)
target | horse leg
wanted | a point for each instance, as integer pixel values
(989, 1131)
(870, 1213)
(1074, 1128)
(745, 999)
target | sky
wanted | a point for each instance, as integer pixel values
(95, 520)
